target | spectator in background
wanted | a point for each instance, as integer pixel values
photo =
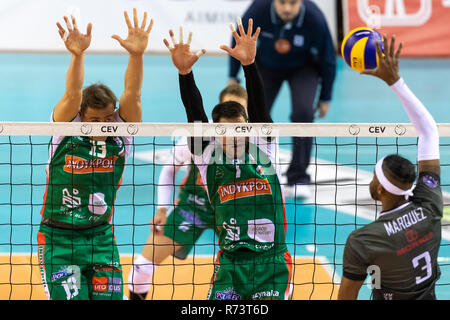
(295, 46)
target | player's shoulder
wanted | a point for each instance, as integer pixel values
(429, 179)
(428, 183)
(368, 231)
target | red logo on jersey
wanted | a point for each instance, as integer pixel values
(411, 235)
(243, 189)
(79, 165)
(100, 284)
(414, 243)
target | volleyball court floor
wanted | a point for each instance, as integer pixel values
(317, 228)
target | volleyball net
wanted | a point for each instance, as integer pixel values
(341, 167)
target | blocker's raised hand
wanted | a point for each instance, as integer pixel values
(182, 57)
(75, 42)
(245, 49)
(137, 40)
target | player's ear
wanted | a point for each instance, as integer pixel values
(380, 191)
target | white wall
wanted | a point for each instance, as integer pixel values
(30, 25)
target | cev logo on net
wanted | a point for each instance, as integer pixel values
(395, 13)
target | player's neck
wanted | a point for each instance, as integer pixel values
(392, 203)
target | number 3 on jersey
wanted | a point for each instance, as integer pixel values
(98, 149)
(427, 260)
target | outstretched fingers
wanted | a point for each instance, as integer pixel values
(379, 51)
(226, 49)
(172, 37)
(234, 33)
(240, 26)
(144, 20)
(150, 27)
(250, 27)
(399, 50)
(74, 22)
(127, 20)
(118, 38)
(68, 24)
(61, 31)
(200, 53)
(181, 35)
(392, 47)
(256, 35)
(167, 45)
(135, 18)
(189, 41)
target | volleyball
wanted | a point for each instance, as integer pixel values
(359, 50)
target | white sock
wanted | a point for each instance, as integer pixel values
(140, 276)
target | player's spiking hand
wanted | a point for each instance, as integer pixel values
(245, 49)
(182, 57)
(388, 66)
(74, 40)
(137, 40)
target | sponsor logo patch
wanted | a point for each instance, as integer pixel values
(77, 165)
(61, 274)
(107, 284)
(228, 294)
(430, 181)
(243, 189)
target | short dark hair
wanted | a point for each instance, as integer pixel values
(229, 109)
(401, 169)
(235, 90)
(97, 96)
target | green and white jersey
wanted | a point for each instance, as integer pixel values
(401, 246)
(192, 190)
(246, 196)
(83, 176)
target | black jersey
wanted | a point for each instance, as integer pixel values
(402, 245)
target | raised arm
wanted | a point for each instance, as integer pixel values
(245, 52)
(136, 43)
(76, 43)
(234, 66)
(183, 59)
(428, 145)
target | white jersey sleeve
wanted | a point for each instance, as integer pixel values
(166, 182)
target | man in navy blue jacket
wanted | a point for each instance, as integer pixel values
(295, 45)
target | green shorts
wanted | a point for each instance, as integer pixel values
(186, 223)
(244, 275)
(80, 264)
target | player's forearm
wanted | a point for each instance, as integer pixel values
(428, 145)
(347, 295)
(69, 105)
(192, 99)
(349, 289)
(130, 102)
(166, 184)
(233, 66)
(257, 108)
(75, 78)
(134, 76)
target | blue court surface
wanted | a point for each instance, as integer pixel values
(30, 86)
